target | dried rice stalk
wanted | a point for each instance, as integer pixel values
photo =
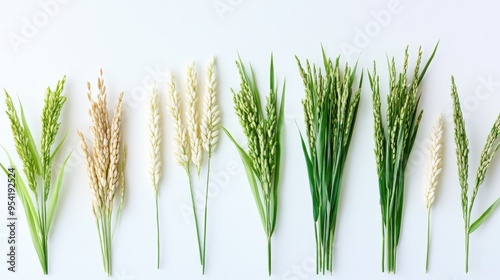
(105, 166)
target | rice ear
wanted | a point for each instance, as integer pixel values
(105, 165)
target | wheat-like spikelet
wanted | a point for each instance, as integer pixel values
(21, 144)
(94, 186)
(122, 183)
(155, 138)
(462, 148)
(54, 101)
(210, 124)
(436, 162)
(101, 137)
(378, 127)
(487, 155)
(247, 110)
(115, 153)
(175, 109)
(192, 115)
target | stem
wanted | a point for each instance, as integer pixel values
(329, 249)
(99, 230)
(205, 218)
(107, 236)
(195, 216)
(317, 248)
(428, 239)
(387, 249)
(268, 231)
(46, 253)
(383, 246)
(157, 233)
(269, 255)
(42, 212)
(466, 250)
(105, 241)
(394, 249)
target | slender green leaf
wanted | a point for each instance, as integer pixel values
(281, 121)
(30, 212)
(249, 169)
(54, 197)
(484, 216)
(58, 147)
(310, 171)
(422, 74)
(31, 141)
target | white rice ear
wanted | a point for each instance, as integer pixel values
(175, 109)
(193, 122)
(210, 125)
(435, 163)
(155, 137)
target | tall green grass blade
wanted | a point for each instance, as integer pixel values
(58, 147)
(422, 74)
(312, 184)
(31, 141)
(30, 211)
(54, 196)
(279, 136)
(484, 216)
(249, 169)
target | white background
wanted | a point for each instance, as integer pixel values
(137, 41)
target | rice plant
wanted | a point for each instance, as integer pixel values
(37, 190)
(432, 180)
(210, 129)
(105, 168)
(393, 145)
(330, 110)
(263, 128)
(462, 151)
(155, 158)
(195, 134)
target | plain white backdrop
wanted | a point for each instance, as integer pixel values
(136, 42)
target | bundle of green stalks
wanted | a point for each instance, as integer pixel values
(393, 145)
(105, 168)
(330, 110)
(462, 151)
(40, 204)
(263, 131)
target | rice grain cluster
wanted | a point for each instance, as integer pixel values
(105, 167)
